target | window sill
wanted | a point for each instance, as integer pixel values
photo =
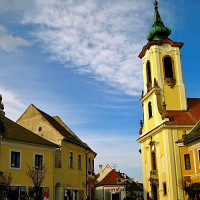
(71, 167)
(15, 168)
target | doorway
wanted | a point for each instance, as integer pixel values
(154, 191)
(115, 196)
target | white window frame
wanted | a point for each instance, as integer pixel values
(78, 161)
(72, 159)
(20, 160)
(41, 154)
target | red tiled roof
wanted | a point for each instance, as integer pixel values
(97, 175)
(189, 117)
(111, 179)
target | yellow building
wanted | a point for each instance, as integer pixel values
(190, 159)
(167, 114)
(74, 161)
(21, 149)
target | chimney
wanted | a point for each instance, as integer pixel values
(1, 106)
(100, 169)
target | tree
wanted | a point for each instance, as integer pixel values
(6, 179)
(37, 177)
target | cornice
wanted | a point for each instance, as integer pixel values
(154, 89)
(159, 128)
(159, 43)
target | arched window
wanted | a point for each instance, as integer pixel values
(168, 71)
(150, 109)
(153, 160)
(148, 72)
(168, 67)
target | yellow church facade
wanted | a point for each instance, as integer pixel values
(167, 114)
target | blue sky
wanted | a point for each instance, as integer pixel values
(78, 60)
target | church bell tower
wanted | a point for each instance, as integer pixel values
(164, 89)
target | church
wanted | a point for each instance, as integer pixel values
(168, 118)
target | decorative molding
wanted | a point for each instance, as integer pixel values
(141, 126)
(170, 82)
(157, 142)
(149, 93)
(158, 99)
(164, 111)
(27, 145)
(147, 147)
(159, 43)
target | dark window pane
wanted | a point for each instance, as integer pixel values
(164, 189)
(148, 72)
(187, 161)
(79, 161)
(39, 162)
(168, 67)
(153, 159)
(150, 109)
(15, 159)
(71, 159)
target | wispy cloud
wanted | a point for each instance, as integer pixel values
(9, 42)
(13, 106)
(113, 148)
(102, 38)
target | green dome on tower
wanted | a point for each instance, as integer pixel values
(159, 31)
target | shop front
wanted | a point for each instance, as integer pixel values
(16, 193)
(42, 192)
(114, 193)
(73, 194)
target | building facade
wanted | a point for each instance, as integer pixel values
(109, 188)
(74, 160)
(22, 151)
(190, 159)
(167, 114)
(114, 185)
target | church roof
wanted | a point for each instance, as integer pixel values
(111, 179)
(159, 31)
(13, 131)
(189, 117)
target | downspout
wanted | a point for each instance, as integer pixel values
(87, 171)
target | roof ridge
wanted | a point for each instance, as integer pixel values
(112, 181)
(62, 130)
(27, 131)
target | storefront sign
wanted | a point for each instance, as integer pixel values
(114, 189)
